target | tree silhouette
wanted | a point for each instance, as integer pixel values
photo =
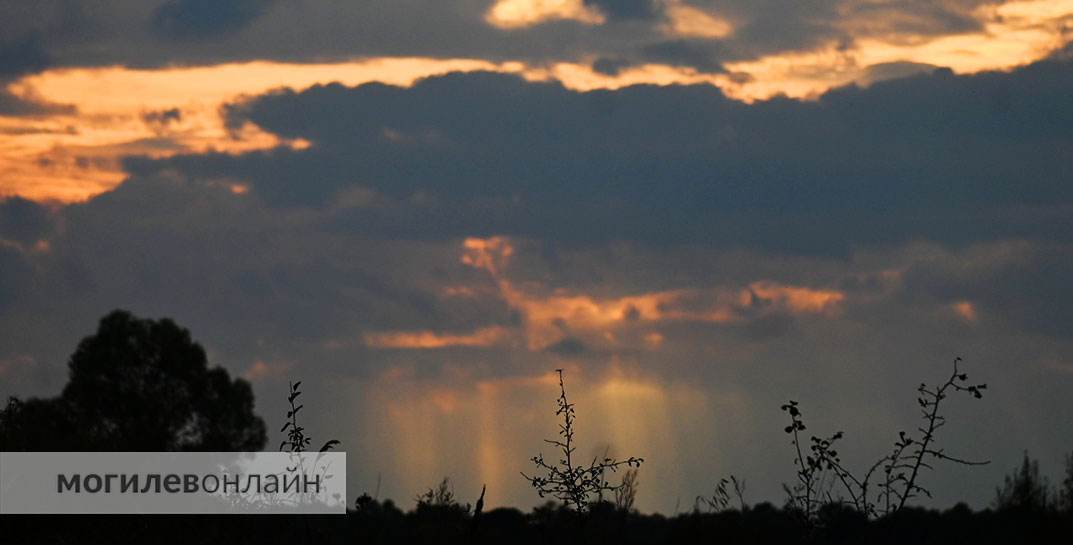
(138, 385)
(1065, 490)
(1024, 489)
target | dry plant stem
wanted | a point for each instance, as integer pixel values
(929, 402)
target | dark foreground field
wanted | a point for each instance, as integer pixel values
(385, 524)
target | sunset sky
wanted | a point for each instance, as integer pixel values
(698, 208)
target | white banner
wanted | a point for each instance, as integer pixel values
(172, 482)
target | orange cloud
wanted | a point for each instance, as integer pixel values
(1013, 34)
(798, 300)
(6, 366)
(425, 340)
(486, 253)
(691, 22)
(262, 370)
(508, 14)
(73, 155)
(965, 310)
(549, 314)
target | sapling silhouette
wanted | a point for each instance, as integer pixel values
(576, 486)
(821, 470)
(296, 443)
(296, 440)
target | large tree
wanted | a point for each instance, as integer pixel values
(138, 385)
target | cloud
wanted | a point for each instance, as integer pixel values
(895, 70)
(569, 347)
(163, 117)
(25, 229)
(1016, 285)
(13, 105)
(484, 154)
(262, 371)
(23, 56)
(509, 14)
(567, 321)
(698, 54)
(626, 9)
(18, 57)
(540, 32)
(425, 340)
(689, 21)
(24, 221)
(913, 18)
(278, 293)
(436, 250)
(189, 19)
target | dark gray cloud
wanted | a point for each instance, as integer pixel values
(1018, 285)
(611, 66)
(14, 272)
(24, 221)
(954, 159)
(626, 9)
(700, 54)
(189, 19)
(569, 347)
(768, 26)
(23, 224)
(22, 56)
(910, 196)
(162, 118)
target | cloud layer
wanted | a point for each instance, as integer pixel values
(434, 251)
(423, 208)
(164, 32)
(934, 157)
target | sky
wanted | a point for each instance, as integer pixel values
(698, 209)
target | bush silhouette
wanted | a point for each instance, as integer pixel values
(822, 479)
(138, 385)
(441, 498)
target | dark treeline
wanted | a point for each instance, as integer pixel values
(114, 402)
(384, 523)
